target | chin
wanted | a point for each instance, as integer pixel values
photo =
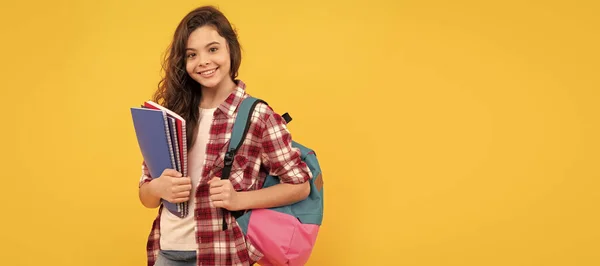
(209, 84)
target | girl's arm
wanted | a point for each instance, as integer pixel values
(281, 159)
(146, 196)
(170, 186)
(224, 196)
(145, 192)
(274, 196)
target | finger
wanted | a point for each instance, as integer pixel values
(180, 188)
(214, 179)
(218, 197)
(179, 200)
(216, 183)
(218, 204)
(171, 172)
(184, 194)
(216, 190)
(182, 181)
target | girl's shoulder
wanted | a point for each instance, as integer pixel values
(264, 117)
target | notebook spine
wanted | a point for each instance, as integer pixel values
(183, 161)
(183, 205)
(174, 138)
(184, 147)
(171, 155)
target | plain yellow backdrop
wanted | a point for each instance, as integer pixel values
(449, 132)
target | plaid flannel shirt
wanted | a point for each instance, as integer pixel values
(266, 150)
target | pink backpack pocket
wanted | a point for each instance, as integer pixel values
(281, 237)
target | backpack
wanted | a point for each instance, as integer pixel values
(285, 235)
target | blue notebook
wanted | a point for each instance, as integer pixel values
(155, 136)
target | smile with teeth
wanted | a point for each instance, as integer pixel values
(208, 73)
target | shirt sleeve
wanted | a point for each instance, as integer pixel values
(279, 156)
(145, 178)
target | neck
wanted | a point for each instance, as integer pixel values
(213, 97)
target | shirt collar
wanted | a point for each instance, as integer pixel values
(230, 104)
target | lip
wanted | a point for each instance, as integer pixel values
(214, 70)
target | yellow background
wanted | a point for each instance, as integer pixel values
(449, 132)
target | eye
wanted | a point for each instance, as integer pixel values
(191, 55)
(213, 49)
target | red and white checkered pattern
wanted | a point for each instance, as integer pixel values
(266, 150)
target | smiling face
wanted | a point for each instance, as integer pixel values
(207, 58)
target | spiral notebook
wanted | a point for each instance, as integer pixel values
(161, 140)
(181, 132)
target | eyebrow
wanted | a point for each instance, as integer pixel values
(209, 44)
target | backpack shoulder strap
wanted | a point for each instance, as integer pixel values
(240, 129)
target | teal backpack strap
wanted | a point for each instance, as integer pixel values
(242, 123)
(240, 129)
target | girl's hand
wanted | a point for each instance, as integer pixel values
(223, 195)
(172, 187)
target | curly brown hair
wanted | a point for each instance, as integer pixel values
(177, 91)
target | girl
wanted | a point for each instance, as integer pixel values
(200, 84)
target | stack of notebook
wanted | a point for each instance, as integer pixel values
(161, 136)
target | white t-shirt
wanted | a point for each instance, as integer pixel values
(180, 233)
